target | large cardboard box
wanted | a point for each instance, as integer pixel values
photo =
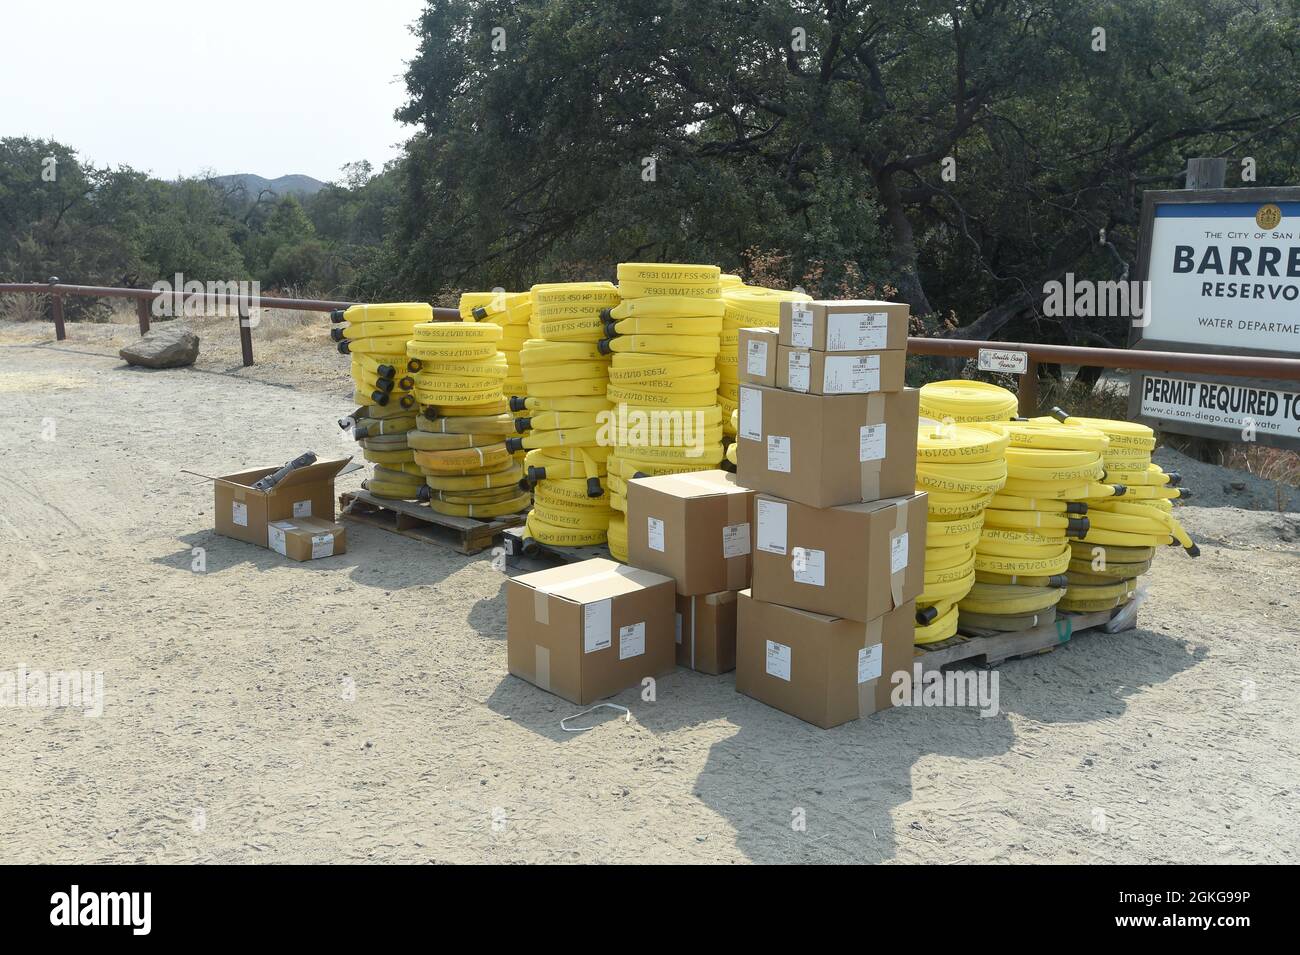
(845, 325)
(825, 450)
(307, 538)
(825, 670)
(706, 632)
(695, 528)
(839, 373)
(858, 561)
(245, 513)
(757, 349)
(585, 631)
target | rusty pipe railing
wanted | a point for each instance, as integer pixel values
(145, 297)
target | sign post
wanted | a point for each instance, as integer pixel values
(1221, 271)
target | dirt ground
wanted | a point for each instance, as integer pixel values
(358, 708)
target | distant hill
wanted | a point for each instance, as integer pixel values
(282, 186)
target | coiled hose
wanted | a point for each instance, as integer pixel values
(664, 339)
(565, 376)
(744, 306)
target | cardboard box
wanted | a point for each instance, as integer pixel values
(845, 325)
(859, 561)
(307, 538)
(824, 670)
(815, 372)
(585, 631)
(757, 356)
(696, 528)
(706, 632)
(826, 450)
(244, 513)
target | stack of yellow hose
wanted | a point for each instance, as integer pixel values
(1125, 527)
(961, 469)
(663, 380)
(963, 402)
(1025, 547)
(375, 337)
(510, 310)
(744, 306)
(565, 376)
(458, 442)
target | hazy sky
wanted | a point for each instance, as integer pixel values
(178, 87)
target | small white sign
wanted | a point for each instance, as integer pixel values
(801, 326)
(857, 331)
(851, 375)
(751, 414)
(778, 453)
(735, 540)
(322, 545)
(1007, 361)
(798, 367)
(898, 553)
(631, 640)
(239, 513)
(809, 566)
(756, 358)
(302, 508)
(869, 660)
(778, 660)
(597, 619)
(871, 442)
(771, 526)
(654, 529)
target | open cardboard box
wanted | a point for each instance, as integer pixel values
(245, 513)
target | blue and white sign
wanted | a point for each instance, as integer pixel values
(1225, 274)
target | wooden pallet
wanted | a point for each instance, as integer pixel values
(548, 555)
(989, 647)
(468, 535)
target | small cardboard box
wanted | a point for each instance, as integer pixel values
(826, 450)
(815, 372)
(757, 356)
(244, 513)
(706, 632)
(859, 561)
(307, 538)
(845, 325)
(694, 527)
(585, 631)
(824, 670)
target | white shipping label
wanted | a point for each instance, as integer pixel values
(778, 660)
(654, 529)
(898, 553)
(239, 513)
(751, 414)
(798, 367)
(771, 526)
(322, 545)
(871, 442)
(596, 623)
(858, 375)
(679, 627)
(631, 640)
(857, 331)
(756, 358)
(869, 659)
(778, 453)
(302, 508)
(809, 566)
(275, 536)
(735, 540)
(801, 326)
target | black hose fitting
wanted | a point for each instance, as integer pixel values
(1059, 581)
(523, 424)
(517, 403)
(1060, 414)
(424, 494)
(602, 346)
(1175, 478)
(479, 313)
(639, 474)
(386, 371)
(384, 384)
(611, 329)
(1076, 507)
(1193, 551)
(336, 316)
(1120, 490)
(514, 444)
(360, 432)
(926, 615)
(407, 383)
(345, 347)
(336, 334)
(1077, 527)
(606, 314)
(408, 401)
(379, 397)
(534, 475)
(414, 366)
(593, 487)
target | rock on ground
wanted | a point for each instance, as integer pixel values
(166, 347)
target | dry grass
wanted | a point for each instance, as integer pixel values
(24, 308)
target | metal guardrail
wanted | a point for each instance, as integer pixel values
(1285, 369)
(144, 299)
